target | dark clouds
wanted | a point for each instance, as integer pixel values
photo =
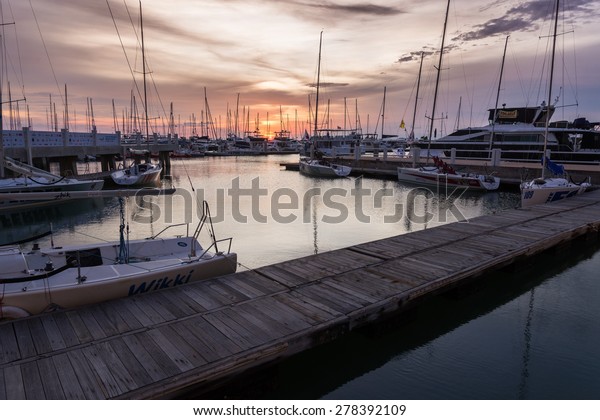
(524, 17)
(354, 9)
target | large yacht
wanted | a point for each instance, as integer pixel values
(519, 134)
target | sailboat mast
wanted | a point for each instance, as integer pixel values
(412, 128)
(550, 88)
(437, 82)
(144, 72)
(498, 94)
(383, 112)
(318, 82)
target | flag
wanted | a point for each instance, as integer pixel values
(402, 124)
(306, 136)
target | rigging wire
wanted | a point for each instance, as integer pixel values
(146, 61)
(123, 47)
(13, 23)
(47, 54)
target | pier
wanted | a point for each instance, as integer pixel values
(40, 148)
(511, 173)
(161, 344)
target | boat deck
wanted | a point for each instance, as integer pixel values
(160, 344)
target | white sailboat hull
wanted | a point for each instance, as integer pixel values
(541, 191)
(44, 280)
(315, 167)
(432, 176)
(11, 190)
(137, 175)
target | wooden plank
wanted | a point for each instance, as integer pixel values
(178, 342)
(218, 345)
(206, 352)
(90, 384)
(178, 299)
(24, 339)
(388, 280)
(91, 324)
(137, 376)
(230, 328)
(80, 329)
(159, 307)
(259, 327)
(333, 299)
(128, 313)
(50, 380)
(67, 377)
(250, 284)
(196, 293)
(413, 270)
(66, 329)
(41, 341)
(9, 349)
(151, 367)
(170, 350)
(230, 294)
(96, 357)
(13, 383)
(148, 307)
(273, 328)
(277, 273)
(32, 381)
(173, 305)
(402, 280)
(298, 270)
(347, 289)
(117, 318)
(258, 282)
(385, 248)
(366, 283)
(297, 317)
(2, 386)
(314, 312)
(144, 340)
(53, 333)
(107, 323)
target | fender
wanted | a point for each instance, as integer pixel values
(12, 312)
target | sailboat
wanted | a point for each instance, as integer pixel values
(441, 173)
(316, 166)
(547, 189)
(31, 178)
(139, 174)
(34, 179)
(35, 280)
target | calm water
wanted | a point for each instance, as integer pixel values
(530, 334)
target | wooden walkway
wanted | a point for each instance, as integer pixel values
(159, 344)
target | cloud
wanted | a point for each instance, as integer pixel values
(357, 9)
(327, 85)
(415, 55)
(523, 17)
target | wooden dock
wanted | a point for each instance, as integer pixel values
(160, 344)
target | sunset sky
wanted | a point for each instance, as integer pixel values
(266, 51)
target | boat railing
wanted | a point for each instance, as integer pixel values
(169, 227)
(521, 156)
(203, 221)
(214, 246)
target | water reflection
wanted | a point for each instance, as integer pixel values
(16, 226)
(275, 215)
